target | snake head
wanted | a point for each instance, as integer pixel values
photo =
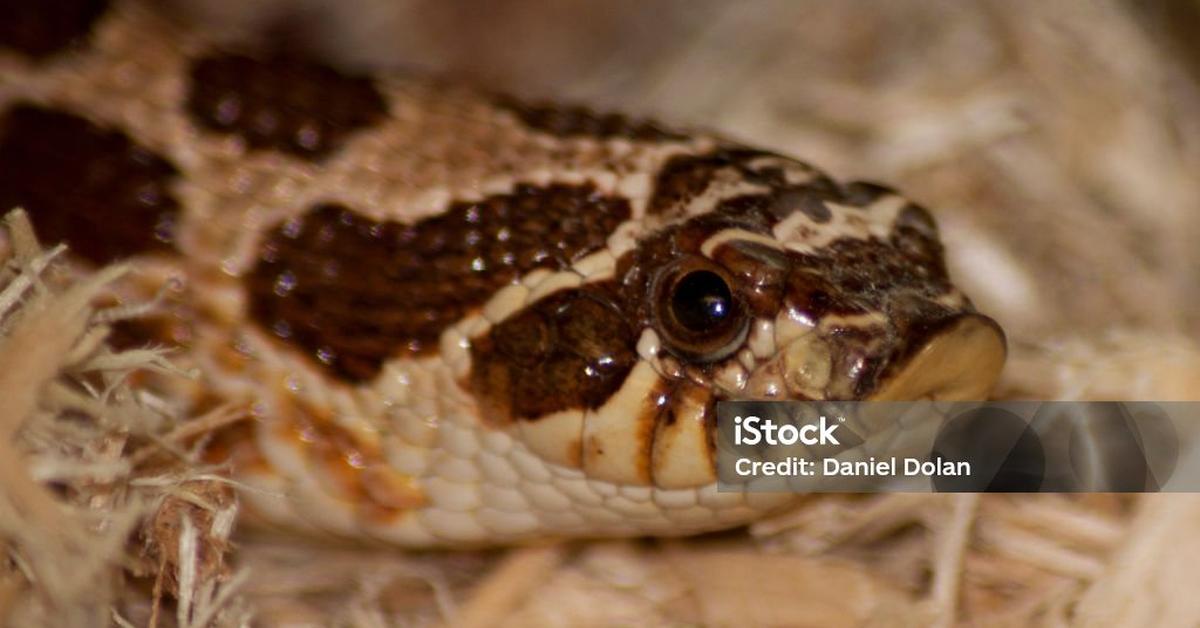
(775, 282)
(751, 276)
(847, 301)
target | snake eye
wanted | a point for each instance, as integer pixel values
(701, 301)
(697, 311)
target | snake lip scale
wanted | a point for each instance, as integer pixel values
(458, 318)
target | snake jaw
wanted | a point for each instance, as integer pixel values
(961, 361)
(955, 357)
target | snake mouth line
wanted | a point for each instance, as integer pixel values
(950, 358)
(961, 361)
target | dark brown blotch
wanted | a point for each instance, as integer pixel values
(41, 28)
(680, 180)
(750, 212)
(804, 199)
(352, 292)
(760, 273)
(915, 234)
(590, 327)
(810, 296)
(529, 341)
(593, 348)
(860, 355)
(282, 103)
(93, 187)
(684, 177)
(863, 193)
(917, 219)
(579, 121)
(853, 275)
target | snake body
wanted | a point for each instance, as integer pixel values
(459, 318)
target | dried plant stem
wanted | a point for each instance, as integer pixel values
(514, 578)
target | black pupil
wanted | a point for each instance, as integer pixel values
(701, 301)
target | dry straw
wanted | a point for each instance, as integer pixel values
(88, 511)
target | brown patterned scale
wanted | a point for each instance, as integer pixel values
(459, 318)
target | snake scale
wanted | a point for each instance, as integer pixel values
(459, 318)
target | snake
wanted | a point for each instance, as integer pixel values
(457, 317)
